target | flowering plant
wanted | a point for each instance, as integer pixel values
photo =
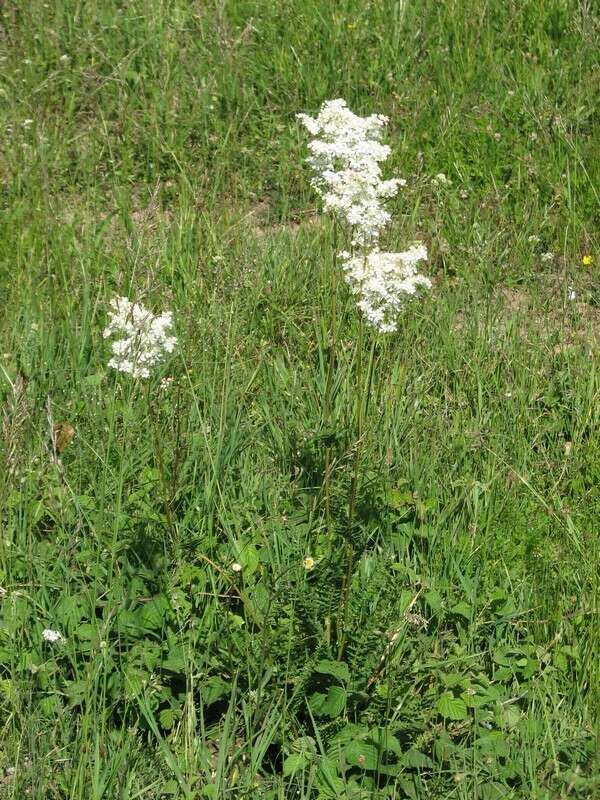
(145, 337)
(383, 281)
(345, 155)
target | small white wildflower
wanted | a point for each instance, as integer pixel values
(547, 256)
(308, 563)
(145, 339)
(3, 593)
(345, 156)
(48, 635)
(236, 567)
(571, 294)
(27, 122)
(64, 58)
(165, 383)
(441, 180)
(533, 239)
(383, 282)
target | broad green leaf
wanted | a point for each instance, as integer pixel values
(434, 600)
(462, 609)
(493, 743)
(452, 707)
(296, 762)
(328, 705)
(175, 660)
(385, 740)
(475, 700)
(152, 615)
(247, 555)
(214, 689)
(362, 754)
(417, 760)
(166, 717)
(328, 781)
(304, 744)
(337, 669)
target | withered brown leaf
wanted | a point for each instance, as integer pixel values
(63, 435)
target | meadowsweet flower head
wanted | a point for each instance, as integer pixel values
(48, 635)
(236, 567)
(308, 563)
(145, 337)
(345, 156)
(441, 180)
(383, 282)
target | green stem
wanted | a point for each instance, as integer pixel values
(158, 454)
(361, 413)
(331, 338)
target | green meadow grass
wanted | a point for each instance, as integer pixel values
(445, 479)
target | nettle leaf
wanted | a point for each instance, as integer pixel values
(152, 615)
(401, 500)
(493, 743)
(214, 689)
(434, 601)
(452, 707)
(337, 669)
(462, 609)
(304, 744)
(328, 781)
(76, 691)
(296, 762)
(493, 791)
(474, 700)
(385, 741)
(166, 717)
(362, 754)
(416, 760)
(135, 681)
(328, 705)
(175, 660)
(444, 747)
(452, 679)
(347, 734)
(247, 555)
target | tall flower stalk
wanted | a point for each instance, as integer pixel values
(144, 341)
(346, 154)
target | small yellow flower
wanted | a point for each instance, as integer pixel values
(308, 563)
(586, 260)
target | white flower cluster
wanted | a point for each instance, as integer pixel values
(145, 341)
(383, 282)
(345, 155)
(48, 635)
